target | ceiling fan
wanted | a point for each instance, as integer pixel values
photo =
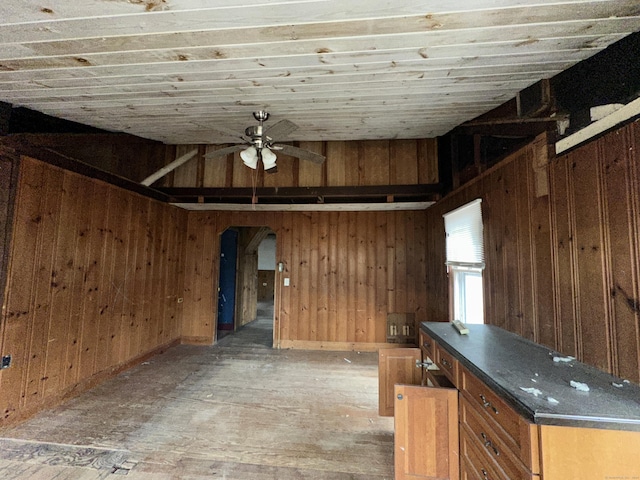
(258, 144)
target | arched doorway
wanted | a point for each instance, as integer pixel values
(246, 281)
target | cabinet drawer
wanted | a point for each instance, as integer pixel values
(437, 379)
(427, 344)
(475, 464)
(447, 364)
(491, 444)
(513, 431)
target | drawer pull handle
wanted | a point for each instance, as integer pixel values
(488, 444)
(484, 473)
(426, 344)
(425, 364)
(445, 363)
(487, 404)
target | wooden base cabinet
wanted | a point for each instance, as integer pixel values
(475, 431)
(426, 433)
(571, 452)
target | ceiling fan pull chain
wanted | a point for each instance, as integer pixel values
(254, 181)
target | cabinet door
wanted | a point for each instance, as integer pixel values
(395, 366)
(426, 433)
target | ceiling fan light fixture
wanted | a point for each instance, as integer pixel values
(250, 157)
(269, 160)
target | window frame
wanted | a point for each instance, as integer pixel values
(470, 261)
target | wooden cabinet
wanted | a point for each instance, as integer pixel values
(426, 433)
(396, 366)
(500, 431)
(432, 375)
(504, 426)
(572, 452)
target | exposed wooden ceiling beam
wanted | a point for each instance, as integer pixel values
(304, 194)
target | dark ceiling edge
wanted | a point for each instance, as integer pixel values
(19, 143)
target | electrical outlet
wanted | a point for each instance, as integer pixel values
(6, 362)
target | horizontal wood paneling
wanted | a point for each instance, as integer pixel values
(353, 163)
(563, 266)
(95, 274)
(347, 270)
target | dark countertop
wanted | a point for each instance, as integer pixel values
(506, 362)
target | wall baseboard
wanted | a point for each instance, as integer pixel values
(196, 341)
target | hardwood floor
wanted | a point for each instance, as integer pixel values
(236, 411)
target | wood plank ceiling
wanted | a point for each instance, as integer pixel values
(178, 70)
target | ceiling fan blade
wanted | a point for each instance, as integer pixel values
(225, 151)
(227, 132)
(281, 129)
(300, 153)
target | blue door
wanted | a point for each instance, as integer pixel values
(227, 285)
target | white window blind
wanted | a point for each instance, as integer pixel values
(465, 244)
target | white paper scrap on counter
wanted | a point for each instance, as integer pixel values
(552, 400)
(582, 387)
(563, 359)
(533, 391)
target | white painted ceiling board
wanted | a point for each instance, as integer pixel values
(174, 70)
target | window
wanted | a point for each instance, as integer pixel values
(465, 261)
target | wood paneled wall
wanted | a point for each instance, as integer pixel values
(354, 163)
(596, 232)
(561, 247)
(95, 274)
(347, 270)
(8, 183)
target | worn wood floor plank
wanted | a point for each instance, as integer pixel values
(236, 411)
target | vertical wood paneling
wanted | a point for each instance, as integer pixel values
(93, 269)
(9, 167)
(337, 263)
(351, 253)
(242, 175)
(562, 239)
(311, 174)
(312, 291)
(374, 162)
(360, 291)
(81, 233)
(73, 250)
(511, 244)
(62, 281)
(576, 249)
(523, 222)
(187, 174)
(428, 161)
(284, 241)
(334, 287)
(215, 169)
(381, 286)
(20, 288)
(592, 325)
(620, 192)
(286, 174)
(365, 162)
(41, 306)
(403, 162)
(371, 267)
